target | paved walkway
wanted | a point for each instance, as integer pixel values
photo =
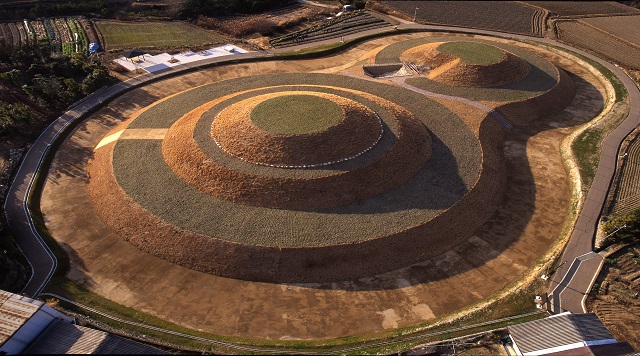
(581, 242)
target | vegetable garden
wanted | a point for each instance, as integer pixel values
(63, 35)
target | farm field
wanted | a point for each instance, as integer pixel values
(618, 26)
(119, 35)
(576, 8)
(332, 28)
(504, 16)
(63, 35)
(626, 196)
(594, 40)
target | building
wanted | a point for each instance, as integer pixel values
(566, 333)
(31, 327)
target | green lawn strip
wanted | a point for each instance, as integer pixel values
(472, 52)
(444, 179)
(296, 114)
(518, 303)
(128, 35)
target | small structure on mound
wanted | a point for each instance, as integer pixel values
(469, 64)
(392, 70)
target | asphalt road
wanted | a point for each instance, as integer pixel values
(43, 262)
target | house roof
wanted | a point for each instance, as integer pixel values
(560, 332)
(65, 338)
(132, 53)
(15, 310)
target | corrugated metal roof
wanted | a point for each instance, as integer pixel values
(557, 331)
(15, 310)
(65, 338)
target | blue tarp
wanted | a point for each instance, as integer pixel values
(93, 47)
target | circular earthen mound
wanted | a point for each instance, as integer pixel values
(355, 132)
(417, 193)
(468, 64)
(407, 149)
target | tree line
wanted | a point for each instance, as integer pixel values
(35, 85)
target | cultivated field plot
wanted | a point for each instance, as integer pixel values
(614, 295)
(621, 27)
(335, 27)
(62, 35)
(627, 192)
(574, 8)
(503, 16)
(595, 40)
(127, 35)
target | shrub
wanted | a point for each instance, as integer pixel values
(629, 233)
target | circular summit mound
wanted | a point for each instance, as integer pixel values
(293, 129)
(468, 64)
(414, 185)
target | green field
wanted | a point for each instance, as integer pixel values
(473, 52)
(296, 114)
(129, 35)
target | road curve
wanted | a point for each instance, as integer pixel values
(43, 262)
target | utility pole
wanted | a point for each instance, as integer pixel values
(415, 13)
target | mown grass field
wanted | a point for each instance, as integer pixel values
(296, 114)
(541, 78)
(472, 52)
(129, 35)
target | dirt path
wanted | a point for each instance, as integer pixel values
(528, 221)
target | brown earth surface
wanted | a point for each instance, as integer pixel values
(614, 297)
(359, 130)
(450, 70)
(531, 217)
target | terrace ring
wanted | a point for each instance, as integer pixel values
(256, 222)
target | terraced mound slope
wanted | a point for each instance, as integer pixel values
(383, 171)
(468, 64)
(307, 177)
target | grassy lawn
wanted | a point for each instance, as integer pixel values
(128, 35)
(472, 52)
(296, 114)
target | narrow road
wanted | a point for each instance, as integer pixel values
(570, 282)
